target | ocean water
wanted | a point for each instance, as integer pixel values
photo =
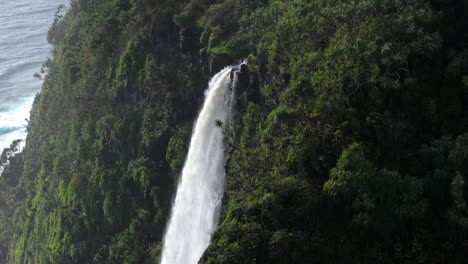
(23, 50)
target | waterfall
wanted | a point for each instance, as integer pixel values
(196, 209)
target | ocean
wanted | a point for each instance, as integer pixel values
(23, 50)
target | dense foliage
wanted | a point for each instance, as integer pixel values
(352, 147)
(96, 185)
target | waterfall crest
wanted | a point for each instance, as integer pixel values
(195, 212)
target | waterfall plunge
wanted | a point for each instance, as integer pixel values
(195, 212)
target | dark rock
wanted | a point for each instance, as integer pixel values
(217, 63)
(242, 99)
(205, 70)
(243, 78)
(232, 74)
(286, 78)
(114, 146)
(243, 69)
(188, 40)
(247, 87)
(253, 90)
(131, 97)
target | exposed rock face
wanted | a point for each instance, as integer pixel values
(217, 63)
(247, 86)
(3, 254)
(243, 76)
(188, 40)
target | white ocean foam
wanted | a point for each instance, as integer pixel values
(17, 117)
(23, 48)
(17, 120)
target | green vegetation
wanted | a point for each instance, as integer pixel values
(93, 184)
(354, 151)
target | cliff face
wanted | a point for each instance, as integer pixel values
(349, 144)
(107, 137)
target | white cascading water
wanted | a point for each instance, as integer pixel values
(196, 209)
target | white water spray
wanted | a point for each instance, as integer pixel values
(196, 209)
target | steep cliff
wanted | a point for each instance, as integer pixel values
(107, 137)
(349, 146)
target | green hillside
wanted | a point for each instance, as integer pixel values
(350, 145)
